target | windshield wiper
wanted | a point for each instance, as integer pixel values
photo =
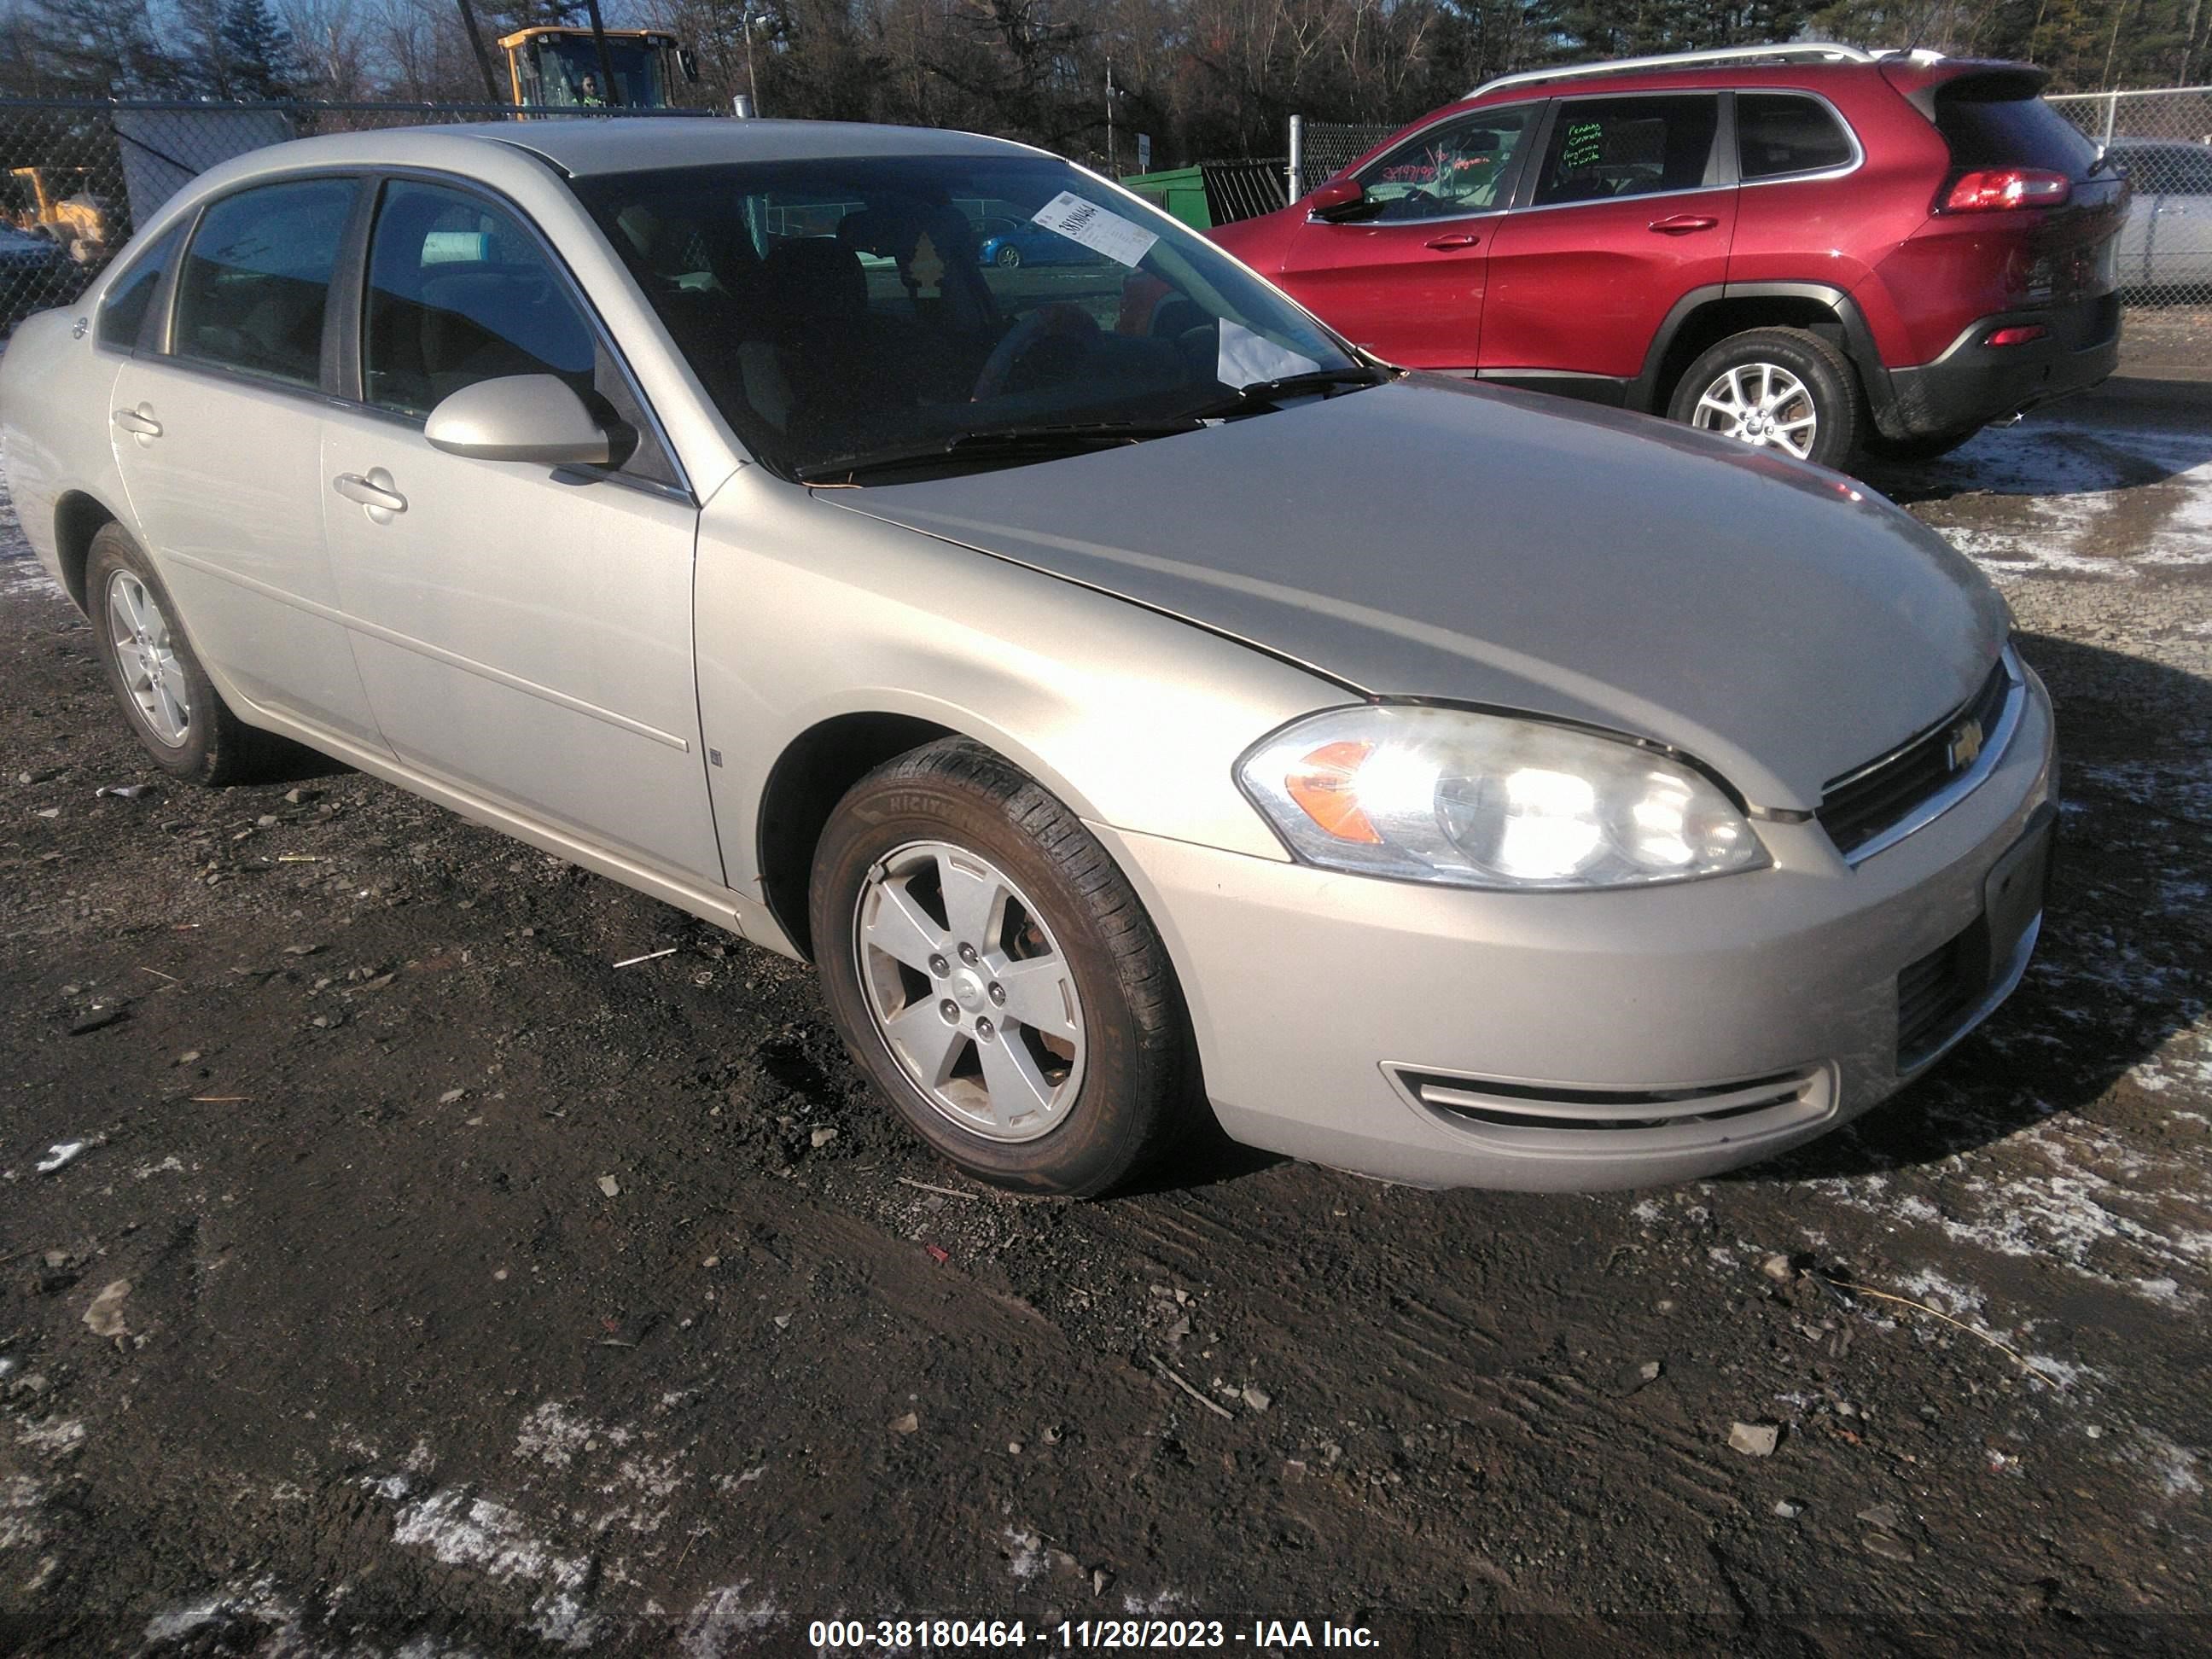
(992, 446)
(1321, 380)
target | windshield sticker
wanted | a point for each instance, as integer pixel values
(1103, 232)
(1248, 358)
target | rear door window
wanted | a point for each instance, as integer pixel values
(256, 283)
(1988, 123)
(1780, 134)
(1602, 148)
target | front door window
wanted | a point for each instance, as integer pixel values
(1455, 167)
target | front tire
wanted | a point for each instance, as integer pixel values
(172, 707)
(1784, 389)
(994, 973)
(1008, 256)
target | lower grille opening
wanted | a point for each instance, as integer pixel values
(1482, 1102)
(1935, 995)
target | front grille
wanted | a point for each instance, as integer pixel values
(1482, 1101)
(1860, 806)
(1935, 995)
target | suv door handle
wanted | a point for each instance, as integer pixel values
(1681, 224)
(1446, 244)
(374, 492)
(139, 420)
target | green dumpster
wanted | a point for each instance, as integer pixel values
(1180, 193)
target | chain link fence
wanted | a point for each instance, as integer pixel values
(2164, 137)
(1321, 149)
(75, 179)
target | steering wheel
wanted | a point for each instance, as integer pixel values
(1059, 323)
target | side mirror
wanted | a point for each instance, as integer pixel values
(536, 418)
(1339, 199)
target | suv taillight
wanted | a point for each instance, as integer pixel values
(1993, 189)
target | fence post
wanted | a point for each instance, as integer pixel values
(2112, 110)
(1290, 174)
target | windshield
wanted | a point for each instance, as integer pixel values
(837, 309)
(558, 66)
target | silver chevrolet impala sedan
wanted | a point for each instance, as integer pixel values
(1139, 703)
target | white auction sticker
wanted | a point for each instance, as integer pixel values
(1095, 228)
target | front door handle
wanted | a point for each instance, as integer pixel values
(1446, 244)
(374, 492)
(139, 420)
(1681, 224)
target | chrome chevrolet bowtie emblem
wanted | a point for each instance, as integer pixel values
(1964, 744)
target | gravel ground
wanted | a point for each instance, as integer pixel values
(423, 1284)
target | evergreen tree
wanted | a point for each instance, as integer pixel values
(257, 52)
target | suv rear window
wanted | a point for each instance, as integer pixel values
(1988, 123)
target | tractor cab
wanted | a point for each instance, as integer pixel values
(559, 68)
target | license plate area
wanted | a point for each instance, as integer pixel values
(1939, 996)
(2013, 893)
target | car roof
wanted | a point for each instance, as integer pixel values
(632, 143)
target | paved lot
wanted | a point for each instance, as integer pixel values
(485, 1297)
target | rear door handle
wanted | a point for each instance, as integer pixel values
(1681, 224)
(374, 492)
(140, 420)
(1446, 244)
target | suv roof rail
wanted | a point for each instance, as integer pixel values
(1796, 51)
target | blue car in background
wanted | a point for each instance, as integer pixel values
(1007, 243)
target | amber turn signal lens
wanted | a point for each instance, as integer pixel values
(1326, 787)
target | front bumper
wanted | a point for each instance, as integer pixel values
(1973, 383)
(1397, 1029)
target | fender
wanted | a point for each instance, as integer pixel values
(1858, 339)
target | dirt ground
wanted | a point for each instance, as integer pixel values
(484, 1297)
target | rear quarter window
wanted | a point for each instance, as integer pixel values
(124, 315)
(1989, 124)
(1778, 134)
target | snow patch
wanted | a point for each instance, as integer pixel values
(54, 1438)
(19, 1512)
(553, 1435)
(1024, 1553)
(724, 1617)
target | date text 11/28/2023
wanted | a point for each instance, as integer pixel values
(1254, 1635)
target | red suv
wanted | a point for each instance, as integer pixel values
(1809, 248)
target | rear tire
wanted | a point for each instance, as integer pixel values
(1784, 389)
(994, 974)
(170, 706)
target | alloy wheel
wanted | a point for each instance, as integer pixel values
(970, 990)
(1762, 404)
(146, 655)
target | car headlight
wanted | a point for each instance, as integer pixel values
(1484, 800)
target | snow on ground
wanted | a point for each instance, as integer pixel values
(2100, 498)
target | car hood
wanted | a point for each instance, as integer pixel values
(1432, 539)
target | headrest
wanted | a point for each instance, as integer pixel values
(815, 278)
